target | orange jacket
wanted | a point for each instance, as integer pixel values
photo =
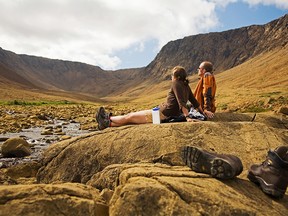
(205, 92)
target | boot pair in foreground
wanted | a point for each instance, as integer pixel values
(271, 175)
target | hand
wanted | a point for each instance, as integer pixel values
(209, 114)
(189, 119)
(192, 120)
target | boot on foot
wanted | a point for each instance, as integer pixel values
(102, 118)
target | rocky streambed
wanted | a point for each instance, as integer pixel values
(42, 126)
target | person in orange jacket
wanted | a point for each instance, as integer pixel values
(206, 89)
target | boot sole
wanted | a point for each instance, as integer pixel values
(266, 188)
(203, 162)
(101, 125)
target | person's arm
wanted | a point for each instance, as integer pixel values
(178, 90)
(208, 83)
(185, 112)
(193, 101)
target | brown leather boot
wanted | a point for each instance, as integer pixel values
(102, 118)
(222, 166)
(272, 174)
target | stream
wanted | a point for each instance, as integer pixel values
(38, 141)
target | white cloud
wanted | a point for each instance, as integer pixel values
(281, 4)
(92, 31)
(223, 3)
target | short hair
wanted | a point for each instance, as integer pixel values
(208, 66)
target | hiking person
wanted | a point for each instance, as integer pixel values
(206, 89)
(175, 105)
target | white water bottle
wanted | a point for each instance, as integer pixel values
(156, 115)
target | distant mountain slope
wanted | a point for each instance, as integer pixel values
(225, 49)
(62, 75)
(8, 76)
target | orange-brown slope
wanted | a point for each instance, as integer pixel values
(8, 76)
(260, 82)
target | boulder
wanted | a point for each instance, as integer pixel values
(16, 147)
(23, 171)
(53, 199)
(283, 110)
(78, 159)
(145, 189)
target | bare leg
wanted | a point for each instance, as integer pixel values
(139, 117)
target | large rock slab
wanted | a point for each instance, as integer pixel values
(146, 189)
(24, 173)
(54, 199)
(78, 159)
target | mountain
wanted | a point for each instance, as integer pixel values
(225, 49)
(62, 75)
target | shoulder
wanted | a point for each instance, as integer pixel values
(208, 74)
(177, 83)
(208, 77)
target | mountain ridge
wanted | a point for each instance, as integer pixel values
(225, 49)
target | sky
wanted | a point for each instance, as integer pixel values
(118, 34)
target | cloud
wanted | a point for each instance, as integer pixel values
(281, 4)
(94, 31)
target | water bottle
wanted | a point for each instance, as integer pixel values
(156, 115)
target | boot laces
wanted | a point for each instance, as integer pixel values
(267, 162)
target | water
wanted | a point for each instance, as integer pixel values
(40, 142)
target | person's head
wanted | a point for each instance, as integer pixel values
(204, 67)
(179, 73)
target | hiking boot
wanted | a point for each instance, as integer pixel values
(102, 118)
(272, 174)
(221, 166)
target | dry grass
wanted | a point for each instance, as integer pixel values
(260, 83)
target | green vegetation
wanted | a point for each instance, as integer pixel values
(269, 94)
(257, 107)
(35, 103)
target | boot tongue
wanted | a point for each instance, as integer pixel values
(277, 160)
(282, 152)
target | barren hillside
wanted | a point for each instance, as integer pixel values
(225, 49)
